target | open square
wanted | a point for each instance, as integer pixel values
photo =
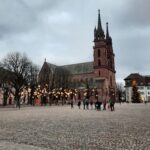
(63, 128)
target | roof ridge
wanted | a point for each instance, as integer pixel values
(51, 64)
(78, 63)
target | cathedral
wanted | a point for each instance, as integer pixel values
(99, 73)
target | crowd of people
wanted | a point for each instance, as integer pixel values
(89, 98)
(95, 103)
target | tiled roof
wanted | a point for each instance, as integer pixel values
(51, 66)
(80, 68)
(134, 76)
(141, 80)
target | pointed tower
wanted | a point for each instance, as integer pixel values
(99, 45)
(110, 53)
(107, 31)
(104, 69)
(108, 38)
(99, 33)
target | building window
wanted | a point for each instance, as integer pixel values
(141, 83)
(99, 73)
(142, 93)
(128, 82)
(141, 88)
(99, 62)
(111, 80)
(148, 87)
(99, 53)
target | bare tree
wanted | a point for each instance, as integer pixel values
(19, 65)
(5, 76)
(33, 74)
(120, 91)
(32, 82)
(0, 64)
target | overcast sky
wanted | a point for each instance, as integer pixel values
(62, 31)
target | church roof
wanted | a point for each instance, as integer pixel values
(80, 68)
(51, 66)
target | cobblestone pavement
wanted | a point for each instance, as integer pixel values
(63, 128)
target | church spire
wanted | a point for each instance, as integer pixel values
(95, 29)
(108, 37)
(95, 32)
(107, 31)
(99, 21)
(99, 27)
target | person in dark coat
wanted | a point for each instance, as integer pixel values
(71, 103)
(112, 103)
(87, 104)
(98, 105)
(79, 104)
(18, 102)
(84, 103)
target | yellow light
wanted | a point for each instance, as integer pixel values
(134, 83)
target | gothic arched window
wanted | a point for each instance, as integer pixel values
(99, 73)
(99, 62)
(99, 53)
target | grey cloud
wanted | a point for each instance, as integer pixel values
(132, 55)
(41, 5)
(15, 17)
(134, 14)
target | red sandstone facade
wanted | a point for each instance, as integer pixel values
(100, 73)
(103, 64)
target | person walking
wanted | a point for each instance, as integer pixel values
(71, 103)
(104, 104)
(84, 103)
(98, 105)
(145, 101)
(79, 104)
(91, 103)
(112, 103)
(87, 104)
(18, 103)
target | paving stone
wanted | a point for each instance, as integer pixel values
(63, 128)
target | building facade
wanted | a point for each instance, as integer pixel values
(99, 73)
(143, 85)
